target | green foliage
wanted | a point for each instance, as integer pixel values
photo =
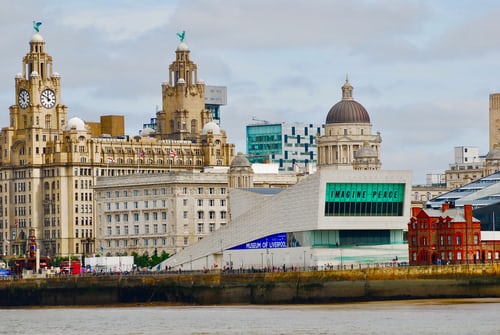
(146, 261)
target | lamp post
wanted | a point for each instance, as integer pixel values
(304, 260)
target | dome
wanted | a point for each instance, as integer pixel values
(211, 126)
(75, 123)
(56, 75)
(147, 132)
(366, 151)
(240, 161)
(37, 38)
(347, 110)
(182, 47)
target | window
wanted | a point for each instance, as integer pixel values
(163, 215)
(211, 190)
(223, 202)
(117, 229)
(136, 229)
(211, 215)
(125, 217)
(200, 202)
(109, 231)
(223, 215)
(476, 239)
(459, 240)
(146, 229)
(222, 190)
(125, 230)
(200, 215)
(200, 228)
(163, 228)
(211, 202)
(184, 202)
(185, 214)
(200, 190)
(211, 227)
(155, 229)
(136, 217)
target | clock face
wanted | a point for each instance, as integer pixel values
(23, 99)
(48, 98)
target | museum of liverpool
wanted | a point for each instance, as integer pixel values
(329, 219)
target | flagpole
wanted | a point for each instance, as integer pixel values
(494, 242)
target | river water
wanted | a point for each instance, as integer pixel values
(417, 317)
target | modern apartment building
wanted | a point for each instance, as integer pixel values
(291, 145)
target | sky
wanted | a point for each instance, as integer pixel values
(423, 69)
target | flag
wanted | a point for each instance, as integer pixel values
(173, 153)
(110, 160)
(141, 153)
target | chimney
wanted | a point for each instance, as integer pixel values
(445, 206)
(415, 211)
(468, 214)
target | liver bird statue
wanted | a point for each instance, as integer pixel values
(36, 26)
(181, 35)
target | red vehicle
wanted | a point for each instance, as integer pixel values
(75, 268)
(28, 263)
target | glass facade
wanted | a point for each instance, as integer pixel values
(262, 141)
(364, 199)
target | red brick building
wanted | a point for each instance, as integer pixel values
(448, 236)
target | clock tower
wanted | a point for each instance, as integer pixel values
(30, 185)
(38, 115)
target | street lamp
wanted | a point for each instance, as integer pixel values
(304, 260)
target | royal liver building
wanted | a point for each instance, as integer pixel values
(49, 164)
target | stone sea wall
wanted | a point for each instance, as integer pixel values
(257, 288)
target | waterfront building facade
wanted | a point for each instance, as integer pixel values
(348, 213)
(49, 163)
(167, 212)
(448, 235)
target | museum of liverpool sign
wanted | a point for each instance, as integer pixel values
(364, 199)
